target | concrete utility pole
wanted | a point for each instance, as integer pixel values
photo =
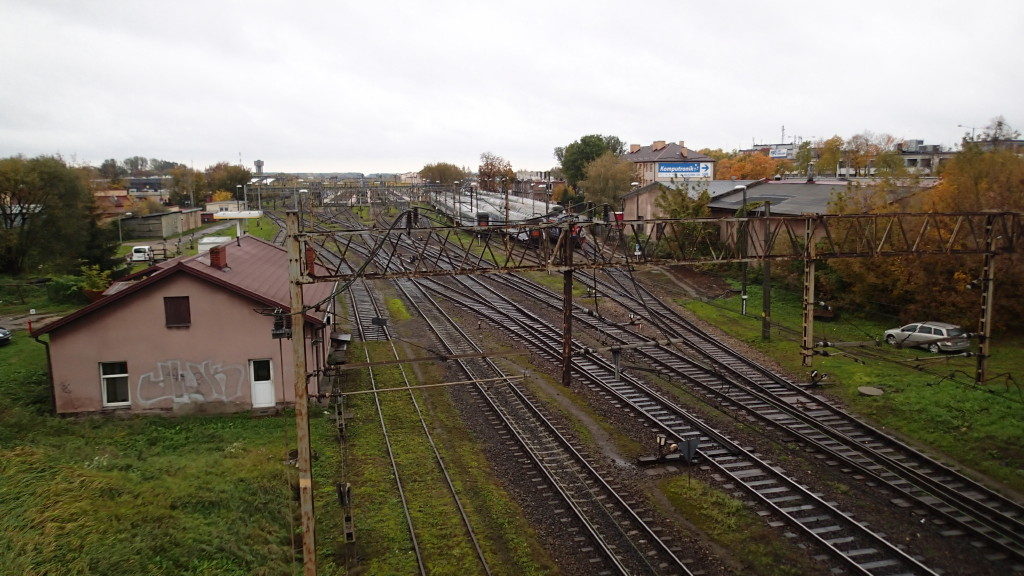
(988, 293)
(304, 462)
(742, 241)
(807, 344)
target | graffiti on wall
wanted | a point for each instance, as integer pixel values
(186, 382)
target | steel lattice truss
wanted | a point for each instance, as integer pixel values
(452, 250)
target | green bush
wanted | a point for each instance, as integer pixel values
(66, 289)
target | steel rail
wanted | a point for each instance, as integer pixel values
(802, 508)
(363, 303)
(550, 430)
(1000, 518)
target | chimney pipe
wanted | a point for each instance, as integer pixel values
(219, 257)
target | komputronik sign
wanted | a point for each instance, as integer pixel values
(669, 170)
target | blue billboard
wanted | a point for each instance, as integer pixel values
(684, 170)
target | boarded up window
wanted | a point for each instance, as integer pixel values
(177, 312)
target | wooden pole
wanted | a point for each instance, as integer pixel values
(304, 463)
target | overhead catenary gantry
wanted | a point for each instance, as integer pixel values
(445, 250)
(455, 250)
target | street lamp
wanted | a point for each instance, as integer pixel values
(243, 192)
(973, 128)
(742, 238)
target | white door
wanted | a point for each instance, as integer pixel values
(262, 383)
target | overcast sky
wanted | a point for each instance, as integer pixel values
(369, 86)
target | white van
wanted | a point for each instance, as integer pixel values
(141, 254)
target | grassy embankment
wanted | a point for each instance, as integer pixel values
(928, 398)
(147, 495)
(213, 494)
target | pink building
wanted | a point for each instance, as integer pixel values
(192, 334)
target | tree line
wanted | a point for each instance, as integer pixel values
(982, 175)
(49, 219)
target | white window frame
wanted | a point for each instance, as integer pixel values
(103, 384)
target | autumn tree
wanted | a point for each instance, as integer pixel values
(48, 218)
(443, 172)
(163, 166)
(937, 286)
(221, 196)
(998, 130)
(185, 184)
(686, 200)
(803, 157)
(716, 153)
(752, 166)
(135, 164)
(111, 170)
(495, 172)
(224, 176)
(146, 206)
(830, 152)
(607, 178)
(575, 157)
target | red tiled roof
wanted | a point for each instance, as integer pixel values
(255, 268)
(672, 152)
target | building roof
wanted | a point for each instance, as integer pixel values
(715, 187)
(256, 269)
(789, 198)
(671, 152)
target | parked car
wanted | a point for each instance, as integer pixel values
(141, 254)
(5, 336)
(934, 336)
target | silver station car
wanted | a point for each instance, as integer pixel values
(934, 336)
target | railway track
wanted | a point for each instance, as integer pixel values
(858, 549)
(365, 310)
(616, 540)
(854, 545)
(619, 540)
(726, 377)
(729, 377)
(816, 424)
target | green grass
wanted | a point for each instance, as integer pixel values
(928, 398)
(730, 524)
(556, 282)
(17, 297)
(138, 495)
(396, 309)
(384, 543)
(143, 495)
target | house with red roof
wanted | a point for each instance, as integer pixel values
(191, 334)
